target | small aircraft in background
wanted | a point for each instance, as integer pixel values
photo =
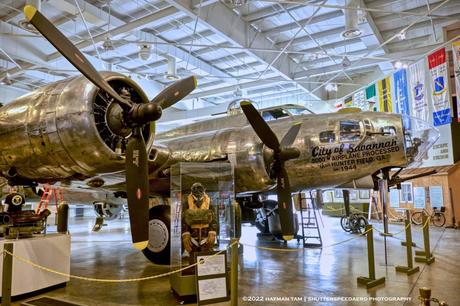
(96, 132)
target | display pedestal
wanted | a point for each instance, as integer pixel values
(51, 251)
(202, 210)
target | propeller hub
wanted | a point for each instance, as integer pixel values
(141, 114)
(115, 120)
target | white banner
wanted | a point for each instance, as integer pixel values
(417, 84)
(440, 87)
(456, 53)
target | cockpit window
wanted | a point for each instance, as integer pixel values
(274, 114)
(388, 130)
(350, 130)
(327, 137)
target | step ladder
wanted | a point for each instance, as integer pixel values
(309, 221)
(46, 197)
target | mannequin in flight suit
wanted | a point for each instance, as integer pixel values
(199, 223)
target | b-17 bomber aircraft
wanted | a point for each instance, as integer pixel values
(86, 129)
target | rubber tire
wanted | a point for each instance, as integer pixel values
(268, 205)
(361, 224)
(417, 218)
(161, 215)
(438, 219)
(345, 224)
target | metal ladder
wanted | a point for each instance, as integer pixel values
(309, 221)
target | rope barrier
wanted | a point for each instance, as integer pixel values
(393, 234)
(301, 249)
(25, 260)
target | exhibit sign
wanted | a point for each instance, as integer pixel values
(417, 84)
(385, 102)
(401, 95)
(359, 100)
(211, 277)
(436, 199)
(439, 84)
(456, 58)
(394, 197)
(419, 197)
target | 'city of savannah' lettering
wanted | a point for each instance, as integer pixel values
(347, 157)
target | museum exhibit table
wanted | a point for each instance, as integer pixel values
(51, 251)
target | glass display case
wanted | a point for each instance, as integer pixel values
(202, 216)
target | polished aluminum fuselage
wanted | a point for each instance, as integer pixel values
(319, 165)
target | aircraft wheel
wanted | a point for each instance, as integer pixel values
(158, 250)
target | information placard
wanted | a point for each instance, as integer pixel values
(419, 197)
(211, 277)
(436, 199)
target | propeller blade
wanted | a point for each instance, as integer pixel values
(70, 52)
(283, 190)
(175, 92)
(259, 125)
(137, 187)
(291, 135)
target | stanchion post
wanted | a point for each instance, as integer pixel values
(425, 296)
(410, 269)
(234, 273)
(370, 281)
(7, 274)
(425, 256)
(403, 243)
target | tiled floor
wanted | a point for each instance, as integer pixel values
(276, 277)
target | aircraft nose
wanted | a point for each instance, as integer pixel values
(419, 138)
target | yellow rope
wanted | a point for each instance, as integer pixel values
(332, 209)
(393, 234)
(25, 260)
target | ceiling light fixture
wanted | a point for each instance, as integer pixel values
(331, 87)
(145, 52)
(236, 3)
(346, 62)
(398, 65)
(108, 44)
(401, 35)
(351, 20)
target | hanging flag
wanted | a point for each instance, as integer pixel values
(456, 54)
(417, 85)
(348, 101)
(439, 84)
(371, 97)
(386, 104)
(359, 100)
(401, 95)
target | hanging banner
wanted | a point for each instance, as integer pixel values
(439, 84)
(359, 100)
(456, 54)
(401, 95)
(371, 98)
(386, 104)
(417, 84)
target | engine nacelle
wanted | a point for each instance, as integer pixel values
(61, 131)
(106, 210)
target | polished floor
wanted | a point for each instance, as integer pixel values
(267, 277)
